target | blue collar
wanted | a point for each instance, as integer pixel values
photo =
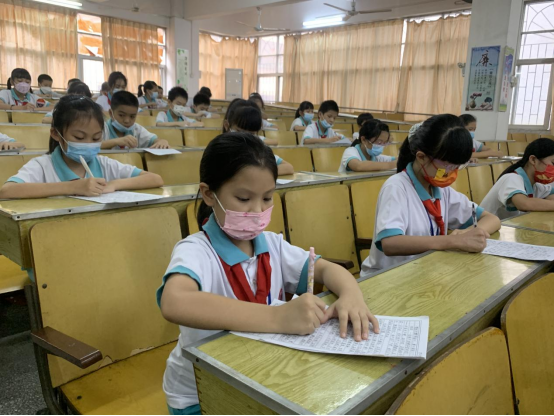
(228, 252)
(421, 192)
(170, 117)
(147, 100)
(528, 187)
(65, 174)
(361, 152)
(16, 98)
(111, 129)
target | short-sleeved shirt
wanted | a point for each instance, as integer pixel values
(356, 152)
(144, 137)
(5, 138)
(105, 101)
(167, 116)
(266, 124)
(477, 145)
(315, 131)
(9, 97)
(400, 211)
(52, 168)
(300, 122)
(144, 100)
(499, 199)
(198, 257)
(192, 110)
(52, 94)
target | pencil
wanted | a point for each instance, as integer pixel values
(84, 163)
(311, 266)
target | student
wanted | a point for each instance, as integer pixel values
(174, 117)
(116, 82)
(45, 87)
(416, 207)
(149, 97)
(365, 153)
(71, 81)
(76, 88)
(480, 151)
(161, 102)
(231, 117)
(21, 97)
(321, 131)
(103, 91)
(259, 101)
(224, 277)
(76, 131)
(303, 117)
(362, 118)
(527, 184)
(7, 143)
(206, 91)
(199, 109)
(123, 131)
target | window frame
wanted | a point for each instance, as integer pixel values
(277, 75)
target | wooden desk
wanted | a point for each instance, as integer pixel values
(461, 293)
(536, 221)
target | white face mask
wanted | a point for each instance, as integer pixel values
(46, 90)
(179, 109)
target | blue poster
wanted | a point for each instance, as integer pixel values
(482, 78)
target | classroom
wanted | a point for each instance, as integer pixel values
(276, 207)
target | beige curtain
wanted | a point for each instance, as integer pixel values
(229, 53)
(131, 48)
(357, 66)
(39, 38)
(431, 81)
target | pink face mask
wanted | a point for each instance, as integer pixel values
(23, 87)
(244, 225)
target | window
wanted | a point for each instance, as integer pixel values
(532, 102)
(270, 67)
(162, 55)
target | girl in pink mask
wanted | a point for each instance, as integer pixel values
(19, 95)
(226, 276)
(527, 184)
(416, 207)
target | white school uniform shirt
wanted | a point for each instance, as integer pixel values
(9, 97)
(300, 122)
(315, 131)
(477, 145)
(52, 168)
(166, 116)
(5, 138)
(198, 257)
(105, 101)
(499, 199)
(53, 94)
(400, 211)
(192, 110)
(266, 124)
(355, 136)
(144, 137)
(355, 152)
(143, 100)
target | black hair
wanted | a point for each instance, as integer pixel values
(79, 88)
(44, 77)
(362, 118)
(124, 98)
(328, 105)
(206, 91)
(256, 96)
(160, 87)
(72, 108)
(200, 99)
(539, 148)
(148, 85)
(230, 114)
(467, 118)
(371, 131)
(246, 118)
(114, 76)
(105, 86)
(177, 92)
(440, 137)
(304, 105)
(18, 73)
(72, 80)
(225, 156)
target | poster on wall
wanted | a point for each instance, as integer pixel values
(482, 78)
(183, 68)
(506, 76)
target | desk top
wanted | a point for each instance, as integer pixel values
(537, 221)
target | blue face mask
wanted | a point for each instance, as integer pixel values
(326, 124)
(154, 95)
(308, 116)
(120, 127)
(117, 90)
(375, 151)
(88, 150)
(472, 134)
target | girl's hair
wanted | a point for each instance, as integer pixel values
(371, 131)
(79, 88)
(148, 85)
(72, 80)
(539, 148)
(227, 155)
(72, 108)
(362, 118)
(440, 137)
(200, 99)
(44, 77)
(304, 105)
(206, 91)
(256, 96)
(246, 118)
(18, 73)
(328, 105)
(467, 118)
(233, 107)
(177, 92)
(114, 76)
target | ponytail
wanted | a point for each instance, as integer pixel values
(371, 130)
(140, 93)
(147, 86)
(539, 148)
(9, 84)
(304, 105)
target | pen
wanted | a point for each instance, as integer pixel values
(474, 216)
(84, 163)
(311, 264)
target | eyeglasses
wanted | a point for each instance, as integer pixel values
(447, 166)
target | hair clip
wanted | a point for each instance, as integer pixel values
(413, 130)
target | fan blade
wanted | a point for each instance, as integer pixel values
(345, 18)
(375, 11)
(336, 7)
(244, 24)
(274, 29)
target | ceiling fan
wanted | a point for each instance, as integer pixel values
(259, 28)
(353, 12)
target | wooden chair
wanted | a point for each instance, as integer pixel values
(364, 203)
(392, 150)
(101, 342)
(200, 137)
(12, 278)
(398, 137)
(146, 120)
(4, 118)
(278, 124)
(462, 183)
(346, 127)
(327, 159)
(498, 168)
(514, 148)
(548, 136)
(284, 138)
(299, 157)
(519, 137)
(392, 126)
(173, 136)
(212, 123)
(471, 378)
(503, 148)
(527, 322)
(128, 158)
(394, 116)
(531, 137)
(321, 218)
(33, 137)
(176, 169)
(23, 117)
(287, 120)
(480, 182)
(9, 166)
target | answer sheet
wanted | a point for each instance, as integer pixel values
(284, 181)
(519, 251)
(344, 140)
(163, 152)
(119, 197)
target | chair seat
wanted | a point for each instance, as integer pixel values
(12, 278)
(128, 387)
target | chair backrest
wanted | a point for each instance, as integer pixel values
(327, 159)
(4, 118)
(462, 183)
(394, 116)
(527, 322)
(364, 204)
(200, 137)
(531, 137)
(498, 168)
(519, 137)
(146, 120)
(27, 117)
(284, 138)
(98, 284)
(288, 121)
(471, 378)
(299, 157)
(9, 166)
(392, 150)
(213, 123)
(514, 148)
(321, 218)
(346, 127)
(398, 137)
(128, 158)
(480, 182)
(278, 124)
(392, 126)
(176, 169)
(33, 137)
(173, 136)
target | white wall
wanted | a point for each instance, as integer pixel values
(183, 34)
(153, 13)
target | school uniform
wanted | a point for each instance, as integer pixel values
(499, 199)
(52, 168)
(54, 95)
(145, 100)
(105, 101)
(400, 211)
(166, 116)
(356, 153)
(299, 122)
(355, 136)
(161, 103)
(144, 137)
(10, 97)
(316, 131)
(5, 138)
(192, 110)
(477, 145)
(200, 257)
(267, 125)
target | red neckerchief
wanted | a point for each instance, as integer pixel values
(528, 195)
(321, 135)
(433, 209)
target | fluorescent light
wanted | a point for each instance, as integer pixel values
(63, 3)
(324, 21)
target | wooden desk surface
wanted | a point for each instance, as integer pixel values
(454, 289)
(537, 221)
